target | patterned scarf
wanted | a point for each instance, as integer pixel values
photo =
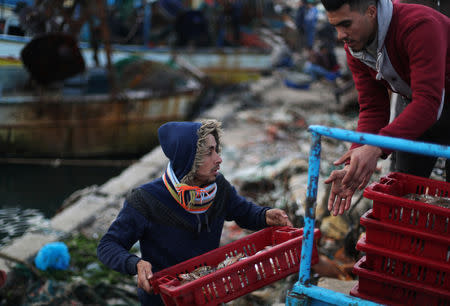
(193, 199)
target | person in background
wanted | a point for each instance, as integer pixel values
(310, 23)
(327, 36)
(214, 13)
(300, 23)
(236, 14)
(191, 28)
(322, 64)
(181, 214)
(400, 47)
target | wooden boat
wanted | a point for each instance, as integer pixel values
(77, 122)
(55, 124)
(88, 126)
(221, 65)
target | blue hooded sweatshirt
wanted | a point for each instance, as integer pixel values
(164, 243)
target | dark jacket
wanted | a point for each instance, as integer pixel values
(164, 243)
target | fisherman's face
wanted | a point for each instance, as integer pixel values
(354, 28)
(208, 170)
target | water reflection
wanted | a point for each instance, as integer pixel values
(31, 194)
(15, 221)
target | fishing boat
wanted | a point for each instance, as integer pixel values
(77, 113)
(221, 65)
(75, 121)
(72, 123)
(70, 117)
(79, 122)
(88, 126)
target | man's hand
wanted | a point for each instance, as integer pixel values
(277, 217)
(144, 269)
(340, 196)
(363, 161)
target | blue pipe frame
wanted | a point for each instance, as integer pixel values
(303, 292)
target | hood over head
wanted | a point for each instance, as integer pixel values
(178, 141)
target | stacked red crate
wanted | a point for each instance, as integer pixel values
(407, 243)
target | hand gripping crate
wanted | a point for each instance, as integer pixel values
(390, 207)
(390, 290)
(429, 275)
(256, 270)
(407, 240)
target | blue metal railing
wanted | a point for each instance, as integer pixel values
(303, 293)
(386, 142)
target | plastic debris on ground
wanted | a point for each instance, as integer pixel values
(54, 255)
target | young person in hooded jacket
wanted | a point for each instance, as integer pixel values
(404, 48)
(180, 215)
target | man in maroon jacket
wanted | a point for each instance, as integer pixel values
(404, 48)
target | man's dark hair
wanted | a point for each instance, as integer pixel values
(355, 5)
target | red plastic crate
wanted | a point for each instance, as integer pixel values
(406, 240)
(389, 290)
(242, 277)
(390, 207)
(418, 271)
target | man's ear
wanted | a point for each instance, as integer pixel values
(372, 11)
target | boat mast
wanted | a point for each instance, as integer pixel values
(106, 38)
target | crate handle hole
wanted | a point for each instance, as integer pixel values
(257, 272)
(279, 266)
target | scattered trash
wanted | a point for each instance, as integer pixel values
(53, 255)
(298, 80)
(334, 227)
(330, 268)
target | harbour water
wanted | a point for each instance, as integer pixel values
(31, 194)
